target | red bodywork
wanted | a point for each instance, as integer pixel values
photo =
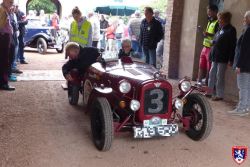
(105, 79)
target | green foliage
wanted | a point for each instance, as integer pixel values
(161, 5)
(47, 5)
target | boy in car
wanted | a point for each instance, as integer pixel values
(127, 50)
(79, 59)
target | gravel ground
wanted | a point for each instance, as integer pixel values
(38, 128)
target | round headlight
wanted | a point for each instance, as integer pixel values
(185, 86)
(134, 105)
(178, 104)
(124, 87)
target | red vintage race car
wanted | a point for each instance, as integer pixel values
(128, 95)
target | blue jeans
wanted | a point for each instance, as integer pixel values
(118, 44)
(243, 82)
(217, 78)
(20, 54)
(14, 64)
(136, 47)
(102, 41)
(150, 56)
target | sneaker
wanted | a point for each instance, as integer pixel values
(23, 62)
(198, 83)
(17, 71)
(245, 112)
(237, 111)
(12, 78)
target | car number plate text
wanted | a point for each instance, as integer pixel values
(161, 130)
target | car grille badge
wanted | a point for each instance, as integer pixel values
(157, 85)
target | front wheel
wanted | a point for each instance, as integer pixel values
(198, 109)
(41, 45)
(73, 94)
(60, 50)
(102, 124)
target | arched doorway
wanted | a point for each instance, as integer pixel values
(56, 2)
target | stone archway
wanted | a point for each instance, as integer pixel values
(56, 2)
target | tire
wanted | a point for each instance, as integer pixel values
(60, 50)
(87, 88)
(73, 94)
(41, 46)
(199, 110)
(102, 124)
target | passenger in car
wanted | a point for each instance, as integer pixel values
(79, 59)
(127, 50)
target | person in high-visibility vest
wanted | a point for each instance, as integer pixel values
(211, 29)
(80, 29)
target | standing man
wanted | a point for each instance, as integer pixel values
(134, 32)
(6, 33)
(95, 23)
(150, 34)
(211, 29)
(80, 29)
(104, 24)
(21, 20)
(222, 55)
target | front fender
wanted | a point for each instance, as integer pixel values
(33, 40)
(99, 92)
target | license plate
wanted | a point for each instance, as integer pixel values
(149, 132)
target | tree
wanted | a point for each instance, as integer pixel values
(161, 5)
(47, 5)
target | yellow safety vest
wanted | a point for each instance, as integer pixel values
(81, 35)
(211, 30)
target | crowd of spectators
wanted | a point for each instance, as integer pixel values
(222, 50)
(12, 29)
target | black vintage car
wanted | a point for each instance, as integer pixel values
(43, 37)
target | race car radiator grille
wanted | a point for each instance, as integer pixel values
(155, 101)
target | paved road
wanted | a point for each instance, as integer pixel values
(38, 128)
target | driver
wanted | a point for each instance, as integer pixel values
(79, 59)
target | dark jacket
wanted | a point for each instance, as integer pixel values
(14, 25)
(86, 57)
(224, 45)
(21, 22)
(155, 33)
(132, 53)
(242, 52)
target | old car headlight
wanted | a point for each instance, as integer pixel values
(185, 86)
(134, 105)
(124, 87)
(178, 104)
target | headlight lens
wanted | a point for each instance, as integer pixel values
(124, 87)
(134, 105)
(178, 104)
(185, 86)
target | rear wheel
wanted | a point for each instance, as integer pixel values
(41, 45)
(73, 94)
(201, 117)
(102, 124)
